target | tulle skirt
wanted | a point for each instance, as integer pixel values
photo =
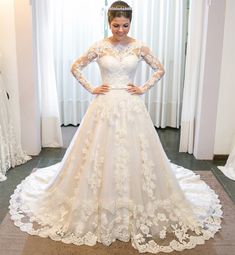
(116, 183)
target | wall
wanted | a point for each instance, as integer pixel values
(210, 81)
(9, 59)
(225, 125)
(28, 92)
(16, 48)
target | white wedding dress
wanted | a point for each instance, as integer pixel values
(11, 153)
(115, 181)
(229, 168)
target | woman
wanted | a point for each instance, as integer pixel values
(115, 181)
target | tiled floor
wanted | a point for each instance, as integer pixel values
(48, 156)
(170, 141)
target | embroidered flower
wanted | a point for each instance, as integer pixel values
(161, 217)
(162, 233)
(90, 239)
(144, 229)
(122, 233)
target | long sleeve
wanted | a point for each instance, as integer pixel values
(155, 64)
(82, 62)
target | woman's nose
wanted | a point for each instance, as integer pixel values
(120, 29)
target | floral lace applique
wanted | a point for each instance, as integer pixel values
(121, 159)
(119, 52)
(149, 226)
(94, 180)
(147, 168)
(155, 64)
(11, 153)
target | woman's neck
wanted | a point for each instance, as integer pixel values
(125, 40)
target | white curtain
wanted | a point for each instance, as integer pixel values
(76, 26)
(45, 71)
(162, 25)
(198, 15)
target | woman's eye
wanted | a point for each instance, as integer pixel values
(126, 25)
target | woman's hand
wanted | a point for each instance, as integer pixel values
(101, 89)
(134, 89)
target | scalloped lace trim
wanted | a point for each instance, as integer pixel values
(155, 227)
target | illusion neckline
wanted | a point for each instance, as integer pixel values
(120, 45)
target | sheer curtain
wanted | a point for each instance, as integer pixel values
(45, 70)
(162, 25)
(198, 14)
(76, 26)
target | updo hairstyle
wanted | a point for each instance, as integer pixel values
(119, 13)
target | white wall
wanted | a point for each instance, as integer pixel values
(28, 92)
(18, 73)
(225, 125)
(208, 93)
(9, 59)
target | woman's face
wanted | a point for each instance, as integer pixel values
(120, 27)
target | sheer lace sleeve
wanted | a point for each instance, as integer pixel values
(155, 64)
(82, 62)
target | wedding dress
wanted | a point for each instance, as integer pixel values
(11, 153)
(229, 168)
(115, 181)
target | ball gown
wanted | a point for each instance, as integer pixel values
(115, 181)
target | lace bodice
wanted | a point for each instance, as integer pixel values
(118, 64)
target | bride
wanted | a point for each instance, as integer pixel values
(115, 181)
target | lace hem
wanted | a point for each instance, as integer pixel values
(147, 229)
(11, 153)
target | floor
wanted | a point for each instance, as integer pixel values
(170, 139)
(48, 156)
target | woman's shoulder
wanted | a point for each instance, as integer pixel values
(97, 44)
(142, 43)
(104, 42)
(139, 43)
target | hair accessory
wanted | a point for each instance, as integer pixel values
(120, 9)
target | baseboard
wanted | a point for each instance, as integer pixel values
(220, 157)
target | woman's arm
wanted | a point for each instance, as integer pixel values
(82, 62)
(155, 64)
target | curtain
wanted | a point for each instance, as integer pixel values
(45, 71)
(198, 13)
(76, 26)
(162, 25)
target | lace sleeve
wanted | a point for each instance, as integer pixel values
(155, 64)
(82, 62)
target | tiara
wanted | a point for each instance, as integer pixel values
(120, 9)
